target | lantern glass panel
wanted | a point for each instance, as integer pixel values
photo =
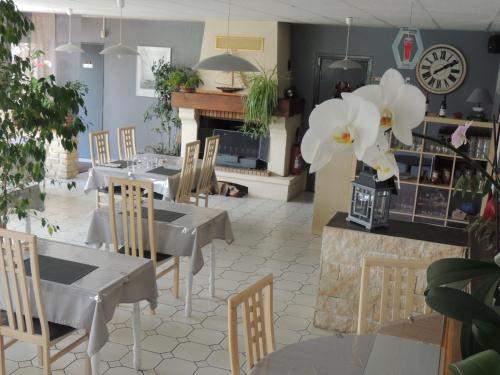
(363, 202)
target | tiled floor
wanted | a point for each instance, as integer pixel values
(270, 236)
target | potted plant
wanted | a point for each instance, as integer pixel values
(191, 80)
(260, 103)
(32, 113)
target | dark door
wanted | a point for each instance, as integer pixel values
(92, 74)
(327, 82)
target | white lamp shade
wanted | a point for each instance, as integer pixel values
(69, 48)
(345, 64)
(119, 49)
(226, 62)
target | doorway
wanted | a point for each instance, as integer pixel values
(92, 74)
(329, 83)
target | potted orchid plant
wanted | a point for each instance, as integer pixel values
(361, 122)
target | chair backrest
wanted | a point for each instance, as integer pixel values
(16, 290)
(126, 142)
(397, 289)
(258, 323)
(207, 166)
(99, 148)
(188, 172)
(132, 216)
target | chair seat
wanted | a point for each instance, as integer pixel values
(160, 257)
(56, 330)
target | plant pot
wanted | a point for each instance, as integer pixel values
(186, 89)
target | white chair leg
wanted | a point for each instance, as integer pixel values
(189, 289)
(211, 281)
(95, 362)
(136, 332)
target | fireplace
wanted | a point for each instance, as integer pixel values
(236, 149)
(260, 164)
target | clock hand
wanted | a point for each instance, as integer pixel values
(449, 65)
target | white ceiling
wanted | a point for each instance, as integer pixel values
(481, 15)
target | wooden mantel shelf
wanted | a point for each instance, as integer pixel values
(225, 102)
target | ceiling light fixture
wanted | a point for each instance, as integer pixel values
(120, 48)
(69, 47)
(226, 62)
(346, 63)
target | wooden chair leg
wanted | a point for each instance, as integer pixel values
(206, 200)
(46, 361)
(40, 355)
(98, 199)
(175, 289)
(2, 357)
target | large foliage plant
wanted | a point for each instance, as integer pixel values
(162, 109)
(33, 111)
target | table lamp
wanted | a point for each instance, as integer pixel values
(479, 96)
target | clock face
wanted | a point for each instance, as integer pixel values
(441, 69)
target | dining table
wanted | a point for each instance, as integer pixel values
(163, 170)
(400, 349)
(181, 230)
(81, 287)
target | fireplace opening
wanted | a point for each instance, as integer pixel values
(236, 149)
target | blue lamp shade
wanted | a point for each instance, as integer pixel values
(480, 96)
(226, 62)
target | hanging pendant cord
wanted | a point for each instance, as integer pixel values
(227, 26)
(70, 29)
(121, 17)
(347, 42)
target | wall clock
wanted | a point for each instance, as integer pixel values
(441, 69)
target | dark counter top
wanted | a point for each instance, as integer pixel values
(405, 229)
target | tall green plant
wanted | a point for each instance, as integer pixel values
(162, 108)
(32, 112)
(260, 103)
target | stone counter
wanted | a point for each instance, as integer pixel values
(344, 245)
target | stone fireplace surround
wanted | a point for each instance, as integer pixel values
(278, 184)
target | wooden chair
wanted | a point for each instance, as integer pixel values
(99, 154)
(207, 169)
(188, 173)
(134, 234)
(17, 321)
(258, 323)
(397, 292)
(99, 148)
(126, 142)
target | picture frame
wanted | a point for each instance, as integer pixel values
(144, 75)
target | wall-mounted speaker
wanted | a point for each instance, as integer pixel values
(494, 43)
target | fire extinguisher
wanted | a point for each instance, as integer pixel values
(295, 160)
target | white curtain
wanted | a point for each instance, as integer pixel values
(43, 39)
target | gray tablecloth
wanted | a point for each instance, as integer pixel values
(90, 302)
(164, 185)
(183, 237)
(352, 355)
(32, 193)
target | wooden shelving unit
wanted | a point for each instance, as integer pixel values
(419, 198)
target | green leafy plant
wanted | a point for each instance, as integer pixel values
(193, 79)
(184, 79)
(32, 113)
(260, 102)
(162, 109)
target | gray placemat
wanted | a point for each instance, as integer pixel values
(162, 215)
(164, 171)
(59, 270)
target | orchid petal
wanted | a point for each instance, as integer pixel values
(309, 145)
(390, 85)
(372, 93)
(323, 156)
(384, 163)
(328, 115)
(409, 112)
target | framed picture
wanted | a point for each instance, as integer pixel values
(145, 60)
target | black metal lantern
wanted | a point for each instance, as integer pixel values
(370, 200)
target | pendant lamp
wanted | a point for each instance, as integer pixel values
(226, 62)
(346, 63)
(119, 49)
(69, 47)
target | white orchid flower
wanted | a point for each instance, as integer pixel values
(380, 158)
(401, 105)
(340, 125)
